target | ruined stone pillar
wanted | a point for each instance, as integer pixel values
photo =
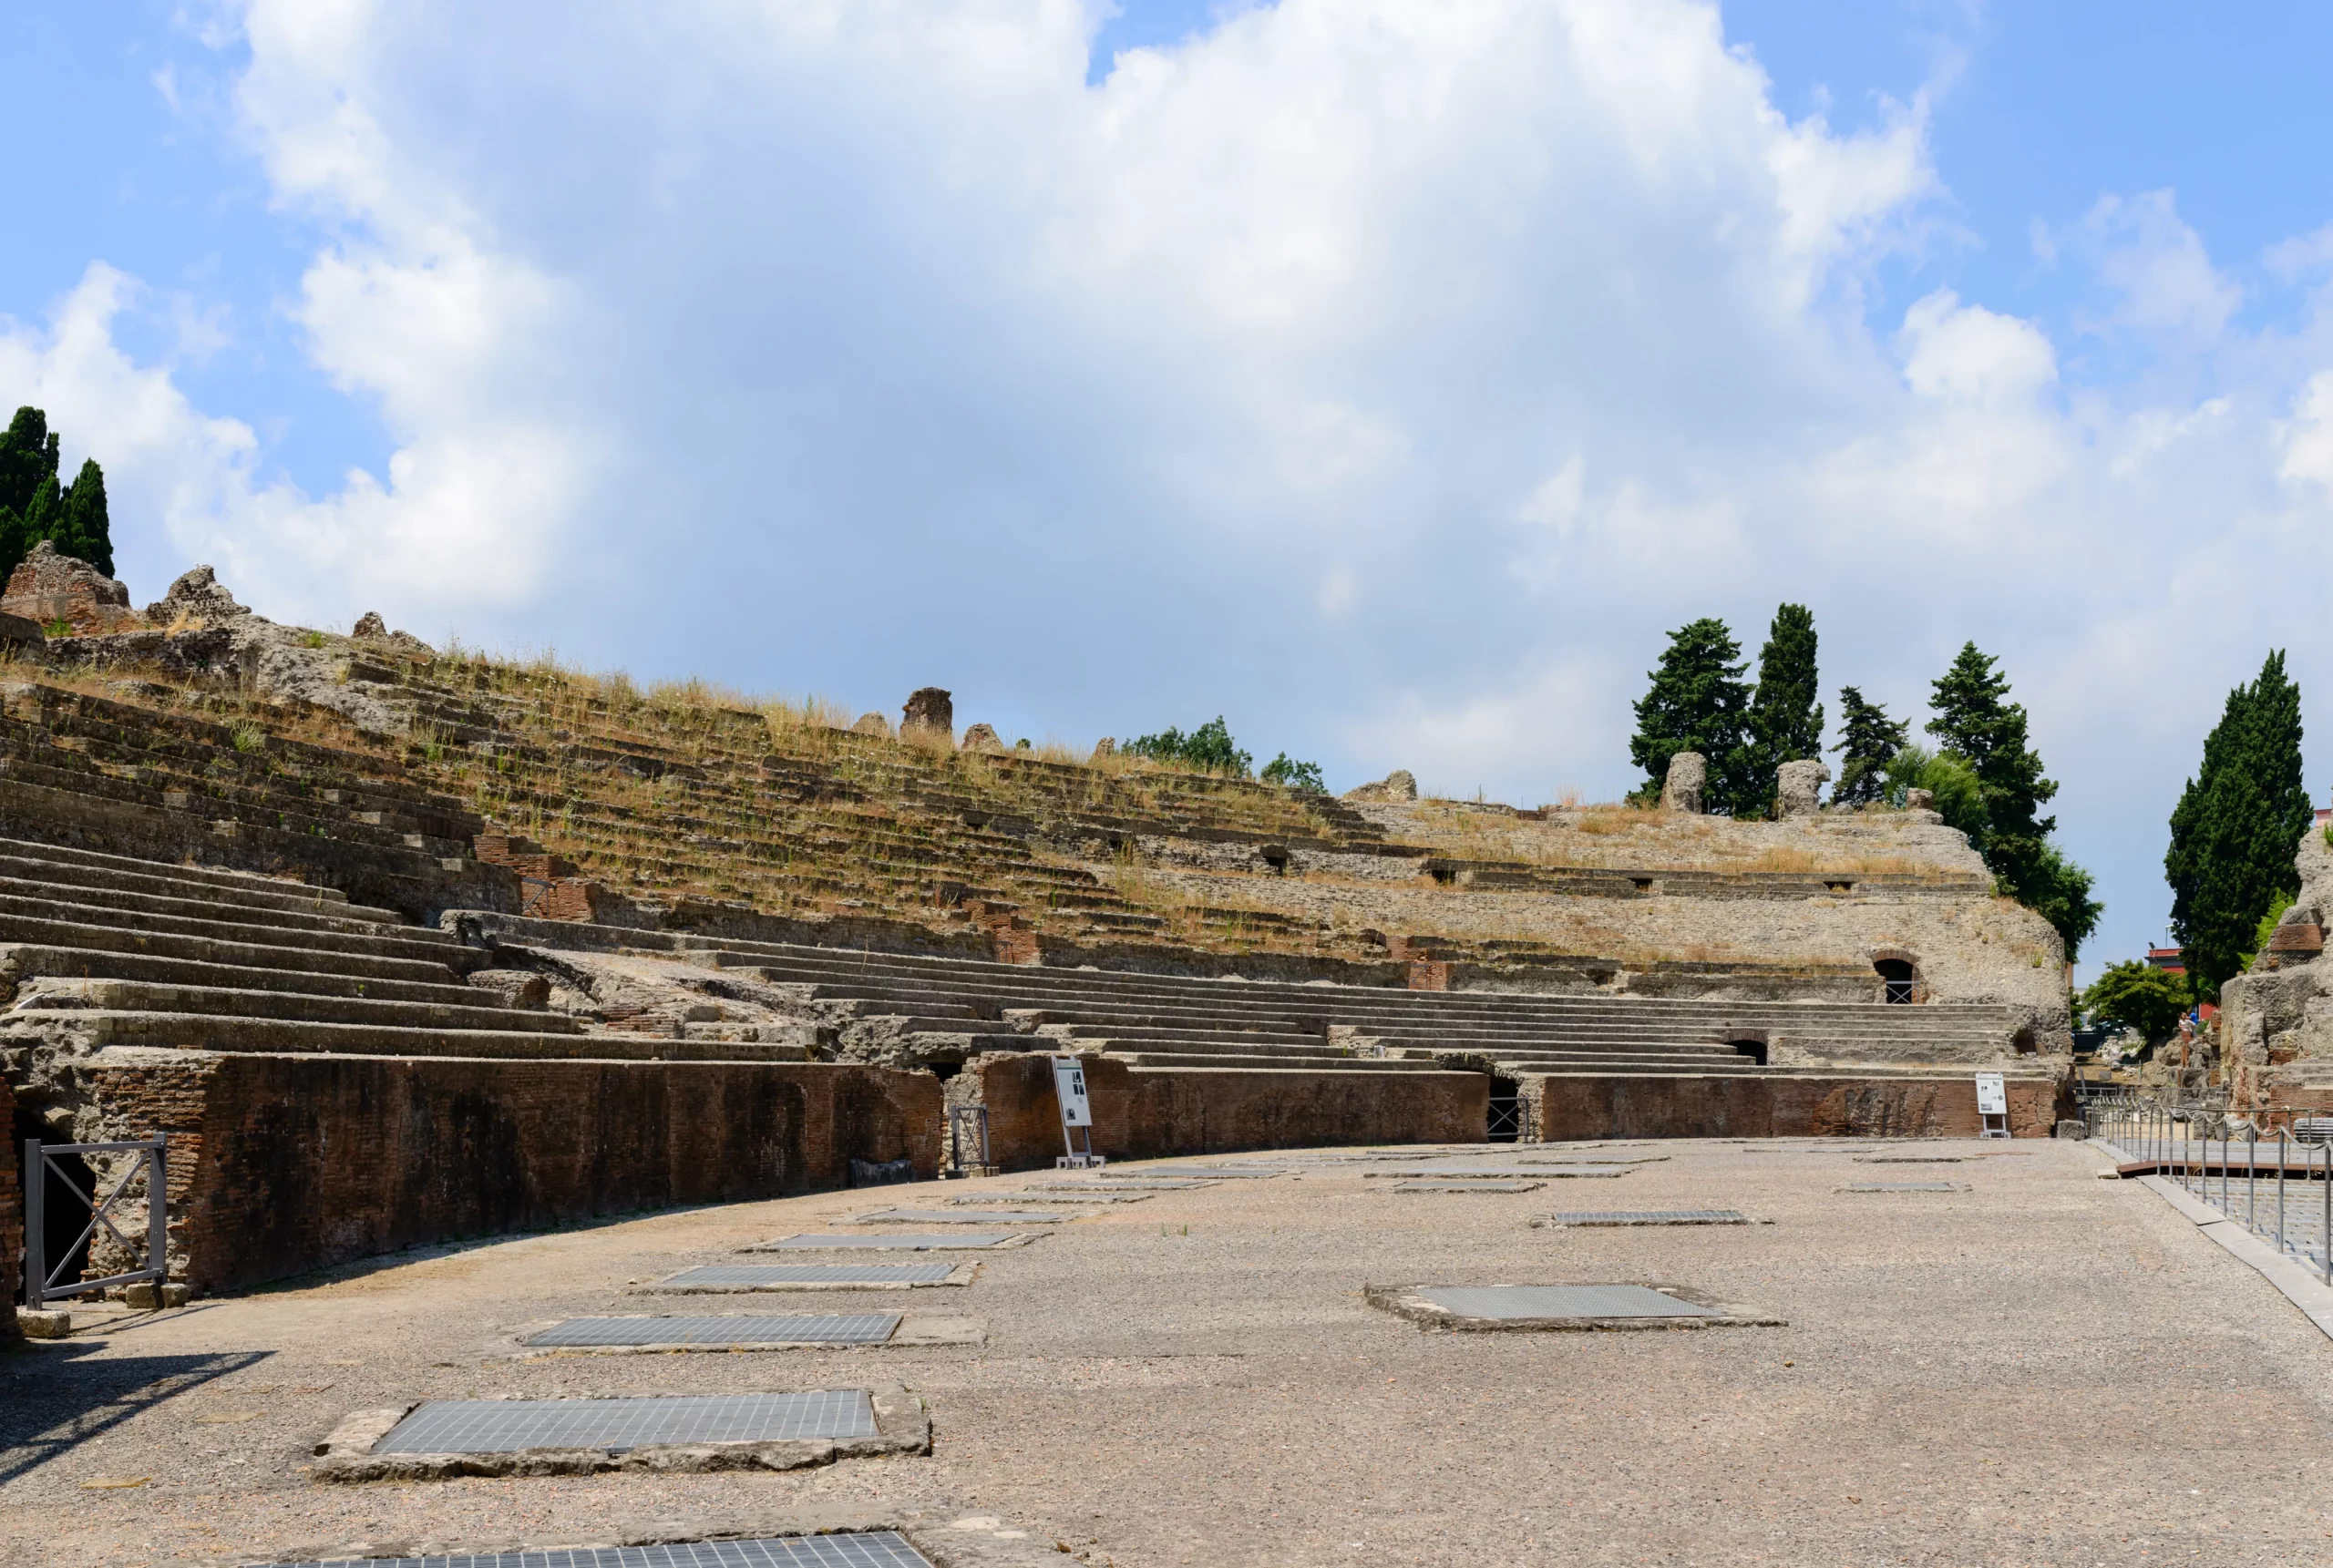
(930, 710)
(1689, 775)
(1798, 786)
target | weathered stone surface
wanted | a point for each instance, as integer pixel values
(2275, 1021)
(517, 988)
(370, 624)
(1798, 787)
(1919, 800)
(47, 588)
(872, 725)
(2073, 1128)
(929, 712)
(1107, 747)
(12, 1211)
(196, 597)
(1685, 783)
(1401, 785)
(1776, 1107)
(21, 631)
(981, 738)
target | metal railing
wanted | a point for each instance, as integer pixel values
(967, 1140)
(41, 1164)
(2291, 1207)
(1513, 1120)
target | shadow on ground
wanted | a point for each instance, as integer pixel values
(55, 1396)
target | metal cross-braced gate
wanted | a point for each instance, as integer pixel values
(41, 1162)
(1512, 1120)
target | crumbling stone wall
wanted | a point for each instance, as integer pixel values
(2276, 1021)
(283, 1164)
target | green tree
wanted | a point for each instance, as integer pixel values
(1209, 748)
(1869, 742)
(1304, 778)
(1699, 703)
(2237, 827)
(1785, 719)
(1979, 725)
(2134, 995)
(1959, 799)
(33, 507)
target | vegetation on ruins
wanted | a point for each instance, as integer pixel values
(2234, 829)
(1785, 718)
(1699, 702)
(2137, 995)
(1959, 799)
(33, 506)
(1979, 725)
(1868, 744)
(1210, 748)
(1285, 771)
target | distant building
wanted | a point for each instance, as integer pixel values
(2172, 959)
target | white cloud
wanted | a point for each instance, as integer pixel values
(1387, 373)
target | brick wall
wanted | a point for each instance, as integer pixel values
(283, 1164)
(1145, 1114)
(12, 1218)
(1649, 1107)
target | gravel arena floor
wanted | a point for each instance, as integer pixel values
(2047, 1368)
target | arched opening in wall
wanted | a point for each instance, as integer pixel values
(1897, 979)
(1755, 1049)
(64, 1212)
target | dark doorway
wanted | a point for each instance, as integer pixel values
(1507, 1110)
(64, 1212)
(1755, 1049)
(1896, 979)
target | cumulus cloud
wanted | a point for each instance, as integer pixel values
(1388, 374)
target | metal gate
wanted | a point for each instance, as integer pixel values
(967, 1140)
(40, 1164)
(1511, 1120)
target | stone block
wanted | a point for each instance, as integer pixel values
(981, 738)
(1687, 780)
(2072, 1128)
(176, 1295)
(929, 712)
(517, 988)
(872, 725)
(48, 587)
(1919, 800)
(47, 1323)
(143, 1296)
(1398, 786)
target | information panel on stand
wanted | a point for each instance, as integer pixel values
(1069, 1083)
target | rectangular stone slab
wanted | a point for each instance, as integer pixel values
(1465, 1186)
(897, 1240)
(1211, 1173)
(1043, 1196)
(856, 1549)
(1120, 1183)
(1509, 1172)
(1503, 1302)
(812, 1276)
(802, 1328)
(1656, 1217)
(1904, 1187)
(946, 1217)
(512, 1426)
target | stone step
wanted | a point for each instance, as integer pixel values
(127, 938)
(1078, 1033)
(256, 892)
(280, 1037)
(290, 1007)
(199, 907)
(210, 878)
(408, 942)
(1199, 1062)
(23, 960)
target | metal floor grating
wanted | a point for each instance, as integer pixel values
(1658, 1218)
(1509, 1302)
(871, 1549)
(509, 1426)
(815, 1274)
(897, 1240)
(804, 1328)
(945, 1217)
(1474, 1187)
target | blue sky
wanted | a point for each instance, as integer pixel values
(1389, 375)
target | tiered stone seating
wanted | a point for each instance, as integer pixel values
(1170, 1022)
(108, 950)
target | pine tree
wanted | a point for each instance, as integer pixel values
(84, 531)
(1785, 720)
(1699, 702)
(1869, 742)
(2236, 826)
(1979, 725)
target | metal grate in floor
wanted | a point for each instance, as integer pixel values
(509, 1426)
(945, 1217)
(815, 1273)
(899, 1240)
(869, 1549)
(1656, 1217)
(803, 1329)
(1476, 1187)
(1510, 1302)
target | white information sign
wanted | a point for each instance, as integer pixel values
(1069, 1084)
(1992, 1098)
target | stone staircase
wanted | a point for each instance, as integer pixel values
(103, 950)
(958, 1006)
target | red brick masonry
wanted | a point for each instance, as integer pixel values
(283, 1164)
(1649, 1107)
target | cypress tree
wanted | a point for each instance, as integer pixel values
(84, 531)
(1785, 720)
(2237, 827)
(1699, 702)
(1869, 742)
(27, 456)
